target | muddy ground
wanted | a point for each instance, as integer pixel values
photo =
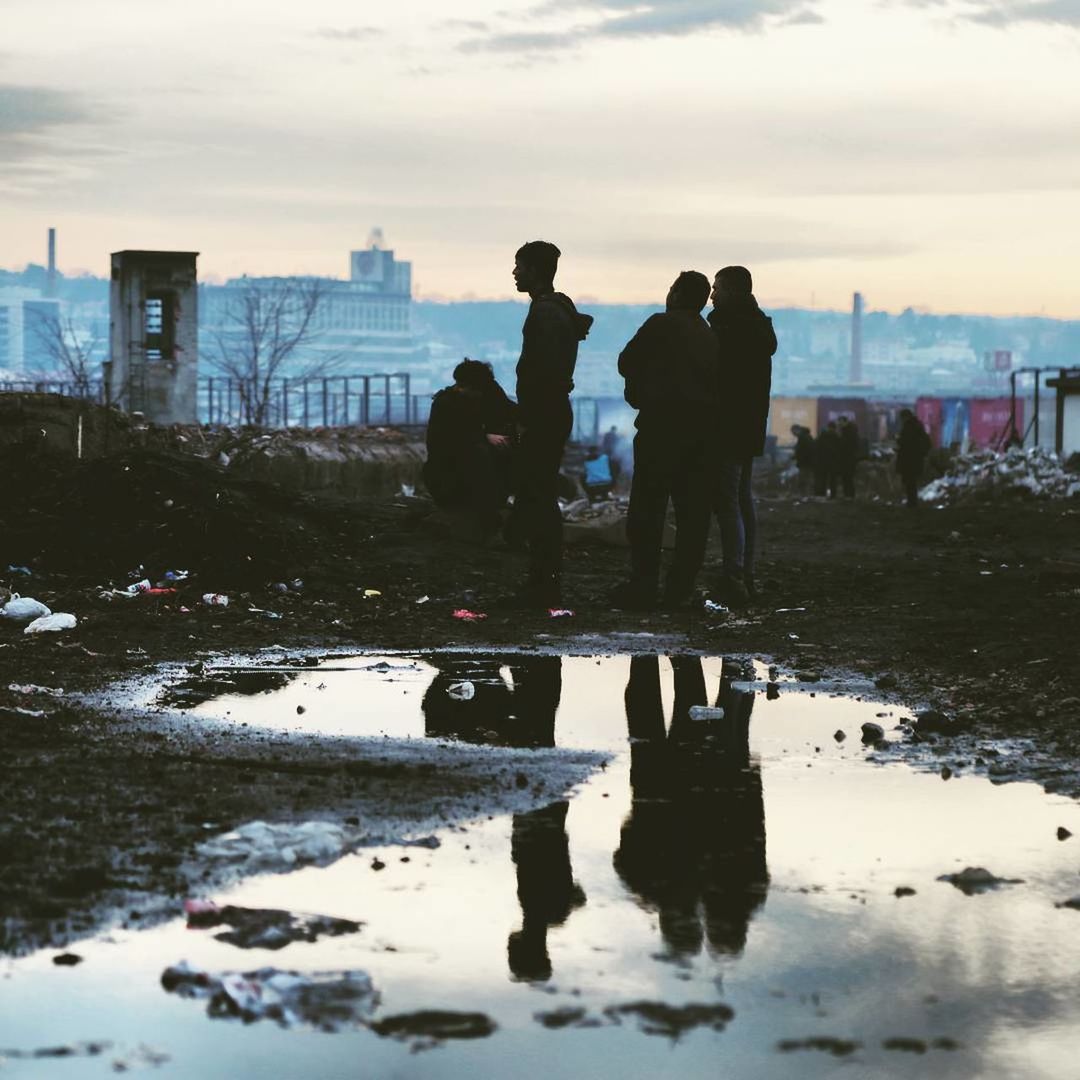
(970, 609)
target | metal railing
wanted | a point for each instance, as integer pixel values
(333, 401)
(87, 390)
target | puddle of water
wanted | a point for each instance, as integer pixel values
(732, 883)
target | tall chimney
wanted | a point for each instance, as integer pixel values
(50, 287)
(855, 376)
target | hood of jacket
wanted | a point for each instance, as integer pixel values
(581, 322)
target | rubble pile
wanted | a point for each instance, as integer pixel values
(1015, 472)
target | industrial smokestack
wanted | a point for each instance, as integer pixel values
(856, 340)
(50, 286)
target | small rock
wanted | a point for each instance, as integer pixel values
(1063, 833)
(705, 712)
(903, 890)
(377, 864)
(976, 879)
(300, 710)
(68, 959)
(772, 691)
(886, 682)
(946, 772)
(839, 735)
(872, 732)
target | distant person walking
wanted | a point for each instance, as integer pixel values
(912, 446)
(827, 461)
(847, 454)
(672, 372)
(804, 458)
(550, 336)
(747, 342)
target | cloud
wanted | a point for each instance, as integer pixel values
(1003, 13)
(30, 110)
(42, 137)
(349, 33)
(623, 19)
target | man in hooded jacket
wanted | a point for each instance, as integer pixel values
(550, 337)
(747, 343)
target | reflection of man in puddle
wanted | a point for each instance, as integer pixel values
(521, 715)
(693, 846)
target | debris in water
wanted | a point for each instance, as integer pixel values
(259, 845)
(325, 1000)
(263, 928)
(826, 1043)
(1062, 833)
(659, 1018)
(67, 959)
(431, 1026)
(977, 879)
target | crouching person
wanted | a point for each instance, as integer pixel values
(470, 446)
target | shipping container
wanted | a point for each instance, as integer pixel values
(928, 410)
(988, 422)
(955, 422)
(787, 411)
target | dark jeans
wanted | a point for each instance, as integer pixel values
(911, 485)
(536, 497)
(736, 516)
(847, 479)
(667, 467)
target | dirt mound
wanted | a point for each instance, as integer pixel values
(104, 518)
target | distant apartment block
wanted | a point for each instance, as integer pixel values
(361, 324)
(27, 323)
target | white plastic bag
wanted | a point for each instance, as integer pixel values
(24, 608)
(62, 620)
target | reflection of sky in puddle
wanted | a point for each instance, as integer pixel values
(662, 851)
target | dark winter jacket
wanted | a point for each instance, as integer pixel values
(912, 446)
(672, 372)
(549, 347)
(804, 450)
(747, 343)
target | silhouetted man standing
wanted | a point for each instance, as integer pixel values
(912, 446)
(747, 343)
(545, 376)
(848, 455)
(672, 373)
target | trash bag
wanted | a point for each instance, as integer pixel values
(24, 608)
(62, 620)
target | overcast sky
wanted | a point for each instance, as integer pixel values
(926, 152)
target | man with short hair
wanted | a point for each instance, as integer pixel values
(550, 337)
(747, 343)
(672, 373)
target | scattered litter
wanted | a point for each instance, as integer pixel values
(462, 691)
(705, 712)
(977, 879)
(32, 688)
(24, 608)
(261, 845)
(138, 587)
(296, 584)
(423, 599)
(408, 490)
(370, 593)
(48, 624)
(786, 610)
(263, 928)
(176, 575)
(323, 1000)
(278, 587)
(714, 608)
(560, 613)
(465, 615)
(989, 473)
(215, 599)
(264, 611)
(22, 571)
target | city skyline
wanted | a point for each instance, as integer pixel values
(916, 151)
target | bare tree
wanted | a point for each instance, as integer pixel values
(70, 353)
(265, 325)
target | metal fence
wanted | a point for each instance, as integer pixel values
(338, 401)
(91, 390)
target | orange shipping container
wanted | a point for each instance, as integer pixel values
(786, 411)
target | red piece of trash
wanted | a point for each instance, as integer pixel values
(560, 613)
(465, 615)
(158, 592)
